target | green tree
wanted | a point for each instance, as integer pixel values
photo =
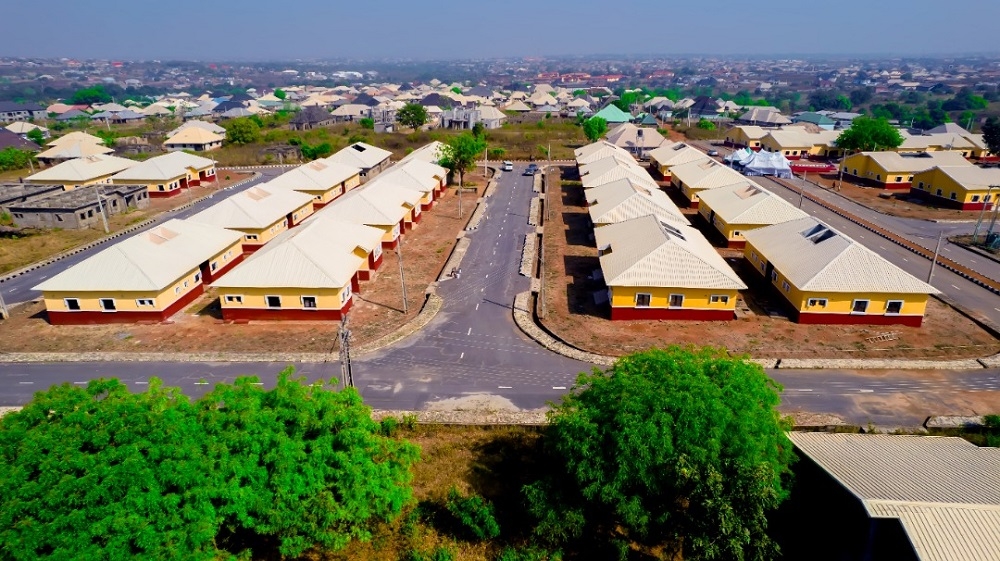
(705, 124)
(460, 153)
(412, 115)
(679, 448)
(457, 90)
(844, 102)
(991, 135)
(861, 96)
(13, 158)
(99, 472)
(280, 94)
(479, 131)
(242, 130)
(90, 96)
(367, 123)
(594, 128)
(869, 134)
(497, 153)
(36, 136)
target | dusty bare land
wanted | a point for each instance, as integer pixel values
(377, 310)
(898, 203)
(20, 251)
(572, 315)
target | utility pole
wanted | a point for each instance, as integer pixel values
(402, 277)
(100, 208)
(937, 251)
(4, 312)
(346, 371)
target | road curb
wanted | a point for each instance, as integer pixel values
(432, 305)
(10, 358)
(135, 227)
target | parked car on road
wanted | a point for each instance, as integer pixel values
(713, 152)
(532, 169)
(508, 166)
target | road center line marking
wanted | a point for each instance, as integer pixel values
(477, 307)
(25, 383)
(867, 391)
(487, 276)
(469, 332)
(461, 356)
(254, 383)
(147, 383)
(804, 390)
(80, 383)
(955, 287)
(504, 387)
(559, 387)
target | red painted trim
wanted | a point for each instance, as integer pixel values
(374, 263)
(365, 274)
(251, 248)
(356, 282)
(665, 313)
(903, 186)
(418, 218)
(857, 319)
(736, 244)
(286, 314)
(693, 204)
(99, 318)
(209, 277)
(164, 194)
(942, 201)
(391, 245)
(424, 207)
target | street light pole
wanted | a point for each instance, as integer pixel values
(402, 277)
(4, 312)
(937, 251)
(982, 212)
(100, 208)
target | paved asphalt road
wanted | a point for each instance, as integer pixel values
(18, 289)
(923, 232)
(472, 346)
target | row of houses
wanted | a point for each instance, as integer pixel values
(296, 247)
(656, 266)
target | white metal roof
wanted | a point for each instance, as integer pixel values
(430, 153)
(148, 261)
(748, 203)
(257, 207)
(320, 175)
(628, 135)
(676, 154)
(944, 490)
(639, 175)
(69, 150)
(646, 252)
(358, 209)
(83, 169)
(624, 199)
(319, 253)
(598, 150)
(752, 132)
(360, 155)
(815, 257)
(944, 139)
(165, 167)
(210, 127)
(706, 174)
(75, 136)
(798, 137)
(391, 193)
(194, 135)
(913, 162)
(973, 178)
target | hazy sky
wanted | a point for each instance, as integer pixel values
(283, 29)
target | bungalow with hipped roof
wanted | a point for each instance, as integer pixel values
(369, 159)
(430, 153)
(738, 208)
(166, 175)
(74, 137)
(797, 143)
(358, 208)
(210, 127)
(694, 177)
(669, 155)
(637, 141)
(393, 194)
(895, 170)
(323, 179)
(309, 273)
(598, 151)
(82, 171)
(426, 178)
(936, 142)
(260, 213)
(745, 136)
(147, 277)
(827, 277)
(70, 150)
(624, 199)
(763, 117)
(195, 139)
(613, 115)
(656, 270)
(613, 168)
(962, 187)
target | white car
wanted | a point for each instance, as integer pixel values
(508, 166)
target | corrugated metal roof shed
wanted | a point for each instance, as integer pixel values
(320, 175)
(624, 199)
(748, 203)
(360, 155)
(83, 169)
(257, 207)
(164, 167)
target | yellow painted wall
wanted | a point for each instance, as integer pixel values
(264, 235)
(70, 185)
(933, 179)
(867, 168)
(737, 135)
(125, 301)
(291, 298)
(837, 302)
(303, 212)
(732, 232)
(351, 182)
(694, 298)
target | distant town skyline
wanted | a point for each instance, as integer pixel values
(449, 29)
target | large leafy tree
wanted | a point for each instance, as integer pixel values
(991, 135)
(243, 130)
(98, 472)
(412, 115)
(676, 448)
(594, 128)
(868, 134)
(460, 153)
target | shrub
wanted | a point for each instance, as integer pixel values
(388, 426)
(474, 515)
(441, 553)
(528, 554)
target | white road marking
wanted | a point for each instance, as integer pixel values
(477, 307)
(997, 309)
(804, 390)
(559, 387)
(80, 383)
(504, 387)
(460, 357)
(201, 383)
(947, 249)
(146, 383)
(860, 236)
(487, 276)
(867, 391)
(972, 260)
(905, 259)
(469, 332)
(258, 383)
(882, 247)
(955, 287)
(25, 383)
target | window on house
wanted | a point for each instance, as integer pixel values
(676, 300)
(910, 179)
(816, 303)
(774, 276)
(953, 196)
(736, 233)
(177, 290)
(72, 304)
(253, 237)
(214, 265)
(855, 171)
(107, 304)
(197, 277)
(185, 284)
(939, 193)
(309, 302)
(273, 301)
(643, 300)
(719, 299)
(159, 187)
(144, 302)
(975, 198)
(784, 286)
(753, 256)
(859, 306)
(234, 299)
(899, 179)
(893, 307)
(878, 177)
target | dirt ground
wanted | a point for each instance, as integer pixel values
(898, 203)
(762, 329)
(377, 309)
(21, 251)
